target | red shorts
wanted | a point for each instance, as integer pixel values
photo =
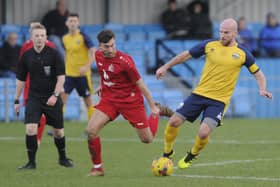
(134, 112)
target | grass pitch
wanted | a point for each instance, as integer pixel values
(241, 153)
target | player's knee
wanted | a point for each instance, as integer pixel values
(90, 133)
(146, 140)
(58, 133)
(31, 130)
(203, 133)
(175, 121)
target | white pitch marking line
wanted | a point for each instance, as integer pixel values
(227, 177)
(227, 162)
(233, 142)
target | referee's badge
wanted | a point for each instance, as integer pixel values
(47, 70)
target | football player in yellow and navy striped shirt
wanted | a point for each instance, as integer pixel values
(223, 60)
(79, 55)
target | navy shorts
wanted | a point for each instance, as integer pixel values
(35, 107)
(195, 104)
(78, 83)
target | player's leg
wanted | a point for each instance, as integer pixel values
(89, 105)
(95, 125)
(84, 88)
(60, 143)
(201, 141)
(41, 129)
(190, 110)
(54, 116)
(69, 85)
(104, 112)
(31, 146)
(135, 113)
(170, 134)
(32, 116)
(211, 118)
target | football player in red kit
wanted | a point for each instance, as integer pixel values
(121, 92)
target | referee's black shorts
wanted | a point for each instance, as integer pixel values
(35, 107)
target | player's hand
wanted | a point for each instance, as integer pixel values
(97, 91)
(83, 70)
(155, 110)
(161, 72)
(17, 108)
(52, 100)
(266, 94)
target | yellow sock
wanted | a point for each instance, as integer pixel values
(90, 111)
(198, 145)
(63, 109)
(170, 135)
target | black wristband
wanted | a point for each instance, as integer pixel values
(16, 101)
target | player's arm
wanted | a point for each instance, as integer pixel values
(180, 58)
(145, 91)
(60, 76)
(20, 81)
(87, 66)
(262, 84)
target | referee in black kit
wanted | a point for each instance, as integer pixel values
(47, 76)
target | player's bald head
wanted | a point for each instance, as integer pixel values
(229, 24)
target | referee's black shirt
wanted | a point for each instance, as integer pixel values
(43, 67)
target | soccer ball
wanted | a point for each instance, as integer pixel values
(162, 167)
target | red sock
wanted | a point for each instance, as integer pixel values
(41, 128)
(153, 122)
(94, 147)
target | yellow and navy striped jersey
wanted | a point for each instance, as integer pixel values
(76, 52)
(221, 69)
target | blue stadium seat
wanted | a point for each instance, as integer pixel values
(24, 29)
(114, 27)
(6, 29)
(154, 35)
(190, 43)
(140, 64)
(136, 36)
(255, 28)
(92, 28)
(152, 27)
(73, 110)
(154, 84)
(135, 47)
(241, 103)
(216, 29)
(133, 28)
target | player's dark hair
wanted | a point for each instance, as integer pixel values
(105, 36)
(73, 15)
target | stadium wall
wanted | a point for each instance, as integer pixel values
(253, 10)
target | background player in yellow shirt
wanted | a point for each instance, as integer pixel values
(223, 61)
(79, 55)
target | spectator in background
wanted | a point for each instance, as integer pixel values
(9, 53)
(175, 21)
(201, 25)
(245, 36)
(54, 21)
(270, 37)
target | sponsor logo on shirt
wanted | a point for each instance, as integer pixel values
(109, 83)
(111, 68)
(235, 56)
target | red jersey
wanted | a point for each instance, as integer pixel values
(118, 77)
(26, 46)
